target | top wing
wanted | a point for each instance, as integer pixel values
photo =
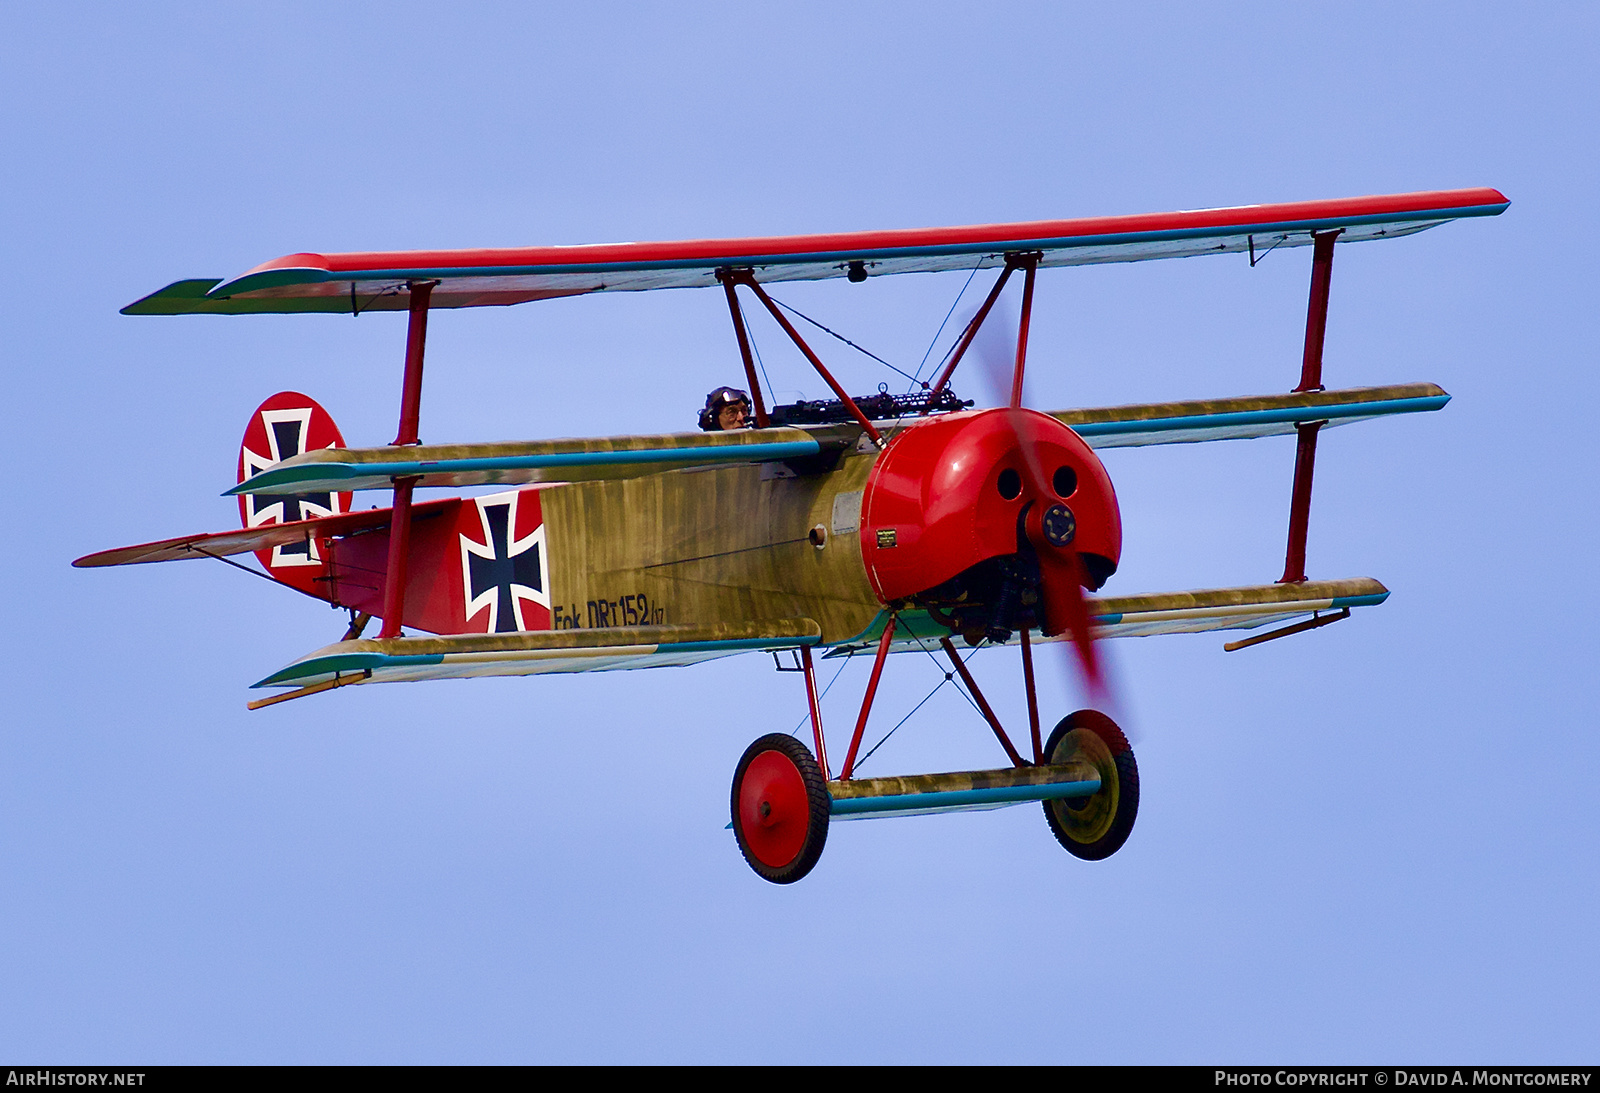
(375, 281)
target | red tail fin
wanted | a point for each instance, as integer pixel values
(288, 424)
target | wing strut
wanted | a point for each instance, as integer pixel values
(1305, 456)
(971, 331)
(394, 584)
(727, 279)
(1023, 260)
(1033, 697)
(816, 710)
(866, 702)
(982, 703)
(746, 277)
(1030, 266)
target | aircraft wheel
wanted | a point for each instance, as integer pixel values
(780, 808)
(1094, 827)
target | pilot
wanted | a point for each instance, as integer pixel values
(726, 408)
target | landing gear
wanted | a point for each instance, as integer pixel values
(780, 808)
(1094, 827)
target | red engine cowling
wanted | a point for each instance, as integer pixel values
(950, 493)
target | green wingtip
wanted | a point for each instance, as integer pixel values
(178, 298)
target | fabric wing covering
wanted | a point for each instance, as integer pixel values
(376, 281)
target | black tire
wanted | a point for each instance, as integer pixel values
(783, 825)
(1094, 828)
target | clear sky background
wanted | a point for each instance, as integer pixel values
(1377, 842)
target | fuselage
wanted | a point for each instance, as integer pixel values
(746, 542)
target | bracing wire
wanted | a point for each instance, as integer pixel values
(236, 565)
(860, 349)
(953, 305)
(902, 721)
(761, 364)
(796, 730)
(949, 677)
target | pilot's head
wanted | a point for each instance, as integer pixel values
(726, 408)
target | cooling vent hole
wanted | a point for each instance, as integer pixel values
(1066, 482)
(1010, 484)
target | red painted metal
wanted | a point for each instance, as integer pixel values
(972, 330)
(416, 340)
(983, 703)
(394, 581)
(1305, 459)
(866, 701)
(816, 362)
(1317, 311)
(1030, 265)
(813, 701)
(1305, 455)
(1033, 697)
(774, 809)
(932, 506)
(744, 347)
(396, 568)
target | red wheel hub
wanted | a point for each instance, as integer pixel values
(774, 811)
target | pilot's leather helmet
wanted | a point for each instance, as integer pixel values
(716, 401)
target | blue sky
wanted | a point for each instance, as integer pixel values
(1377, 842)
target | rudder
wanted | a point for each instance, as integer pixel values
(289, 424)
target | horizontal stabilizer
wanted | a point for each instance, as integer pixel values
(461, 656)
(523, 462)
(220, 543)
(1243, 418)
(376, 281)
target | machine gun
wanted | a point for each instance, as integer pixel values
(877, 407)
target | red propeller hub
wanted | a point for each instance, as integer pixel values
(958, 490)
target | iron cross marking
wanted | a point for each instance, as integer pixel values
(505, 572)
(288, 436)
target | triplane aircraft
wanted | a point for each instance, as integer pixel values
(855, 525)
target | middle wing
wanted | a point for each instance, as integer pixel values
(523, 462)
(1243, 418)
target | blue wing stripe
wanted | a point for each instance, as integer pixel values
(295, 479)
(1262, 417)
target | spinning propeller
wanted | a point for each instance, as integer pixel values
(1048, 524)
(994, 520)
